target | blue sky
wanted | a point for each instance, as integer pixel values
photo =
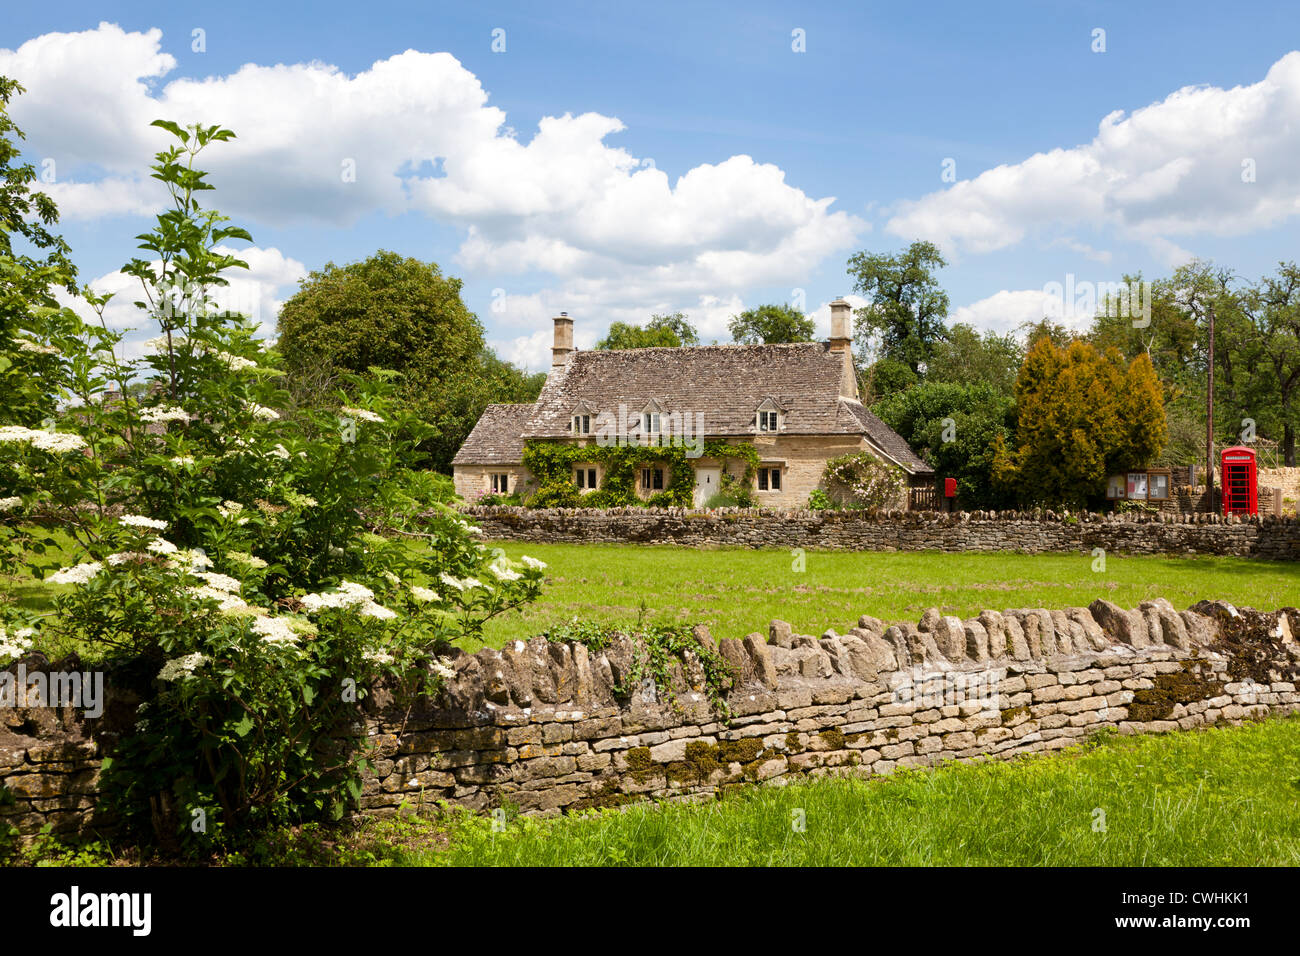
(704, 165)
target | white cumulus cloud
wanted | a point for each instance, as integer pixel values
(1202, 161)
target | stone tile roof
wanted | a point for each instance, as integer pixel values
(888, 440)
(497, 438)
(726, 383)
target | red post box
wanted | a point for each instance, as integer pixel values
(1238, 481)
(950, 487)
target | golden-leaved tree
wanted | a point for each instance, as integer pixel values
(1081, 415)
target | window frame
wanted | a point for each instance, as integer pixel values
(500, 482)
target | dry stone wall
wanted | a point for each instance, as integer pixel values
(1253, 536)
(553, 727)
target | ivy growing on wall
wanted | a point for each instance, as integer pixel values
(552, 464)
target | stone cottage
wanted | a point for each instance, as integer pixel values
(797, 404)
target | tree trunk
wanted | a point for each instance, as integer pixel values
(1288, 444)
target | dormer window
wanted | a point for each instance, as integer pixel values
(651, 423)
(580, 422)
(768, 418)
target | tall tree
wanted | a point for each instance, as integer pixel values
(771, 325)
(662, 331)
(1081, 415)
(968, 356)
(394, 312)
(1267, 349)
(906, 307)
(955, 427)
(29, 277)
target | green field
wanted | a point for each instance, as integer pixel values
(736, 591)
(1220, 797)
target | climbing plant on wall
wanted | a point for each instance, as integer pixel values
(552, 464)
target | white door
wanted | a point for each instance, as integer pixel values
(706, 484)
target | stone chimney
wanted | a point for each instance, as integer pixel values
(842, 342)
(841, 326)
(563, 346)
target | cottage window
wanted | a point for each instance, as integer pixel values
(650, 423)
(652, 479)
(767, 421)
(582, 424)
(585, 478)
(500, 483)
(769, 479)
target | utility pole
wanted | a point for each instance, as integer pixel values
(1209, 417)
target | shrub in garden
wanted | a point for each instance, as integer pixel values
(248, 570)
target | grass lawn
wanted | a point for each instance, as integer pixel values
(736, 591)
(1226, 796)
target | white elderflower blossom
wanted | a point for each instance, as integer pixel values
(363, 414)
(159, 343)
(262, 412)
(182, 667)
(161, 546)
(233, 510)
(347, 594)
(424, 594)
(57, 442)
(377, 657)
(279, 451)
(236, 362)
(164, 413)
(16, 644)
(76, 575)
(371, 609)
(275, 630)
(195, 559)
(27, 345)
(122, 557)
(442, 668)
(226, 603)
(222, 582)
(182, 460)
(9, 504)
(246, 559)
(392, 578)
(533, 563)
(140, 521)
(504, 572)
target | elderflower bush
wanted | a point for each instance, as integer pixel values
(250, 567)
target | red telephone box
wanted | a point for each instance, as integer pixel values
(1237, 467)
